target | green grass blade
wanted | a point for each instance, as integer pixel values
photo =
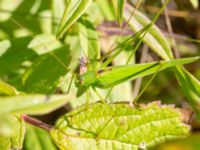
(154, 38)
(118, 126)
(32, 104)
(74, 9)
(124, 44)
(39, 138)
(120, 9)
(190, 87)
(114, 75)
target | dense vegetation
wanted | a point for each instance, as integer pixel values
(99, 75)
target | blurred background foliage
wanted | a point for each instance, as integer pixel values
(23, 23)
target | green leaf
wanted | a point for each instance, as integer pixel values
(114, 75)
(120, 9)
(32, 104)
(12, 130)
(154, 38)
(14, 53)
(89, 42)
(44, 43)
(44, 75)
(118, 126)
(26, 13)
(7, 89)
(190, 87)
(73, 11)
(38, 139)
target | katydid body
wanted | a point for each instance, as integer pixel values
(111, 76)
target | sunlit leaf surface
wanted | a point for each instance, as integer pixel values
(118, 126)
(32, 104)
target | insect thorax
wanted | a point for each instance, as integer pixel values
(88, 78)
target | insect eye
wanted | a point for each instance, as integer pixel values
(100, 71)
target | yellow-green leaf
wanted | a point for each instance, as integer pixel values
(118, 126)
(32, 104)
(7, 89)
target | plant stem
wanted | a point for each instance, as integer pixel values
(138, 81)
(36, 122)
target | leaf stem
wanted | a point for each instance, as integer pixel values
(36, 122)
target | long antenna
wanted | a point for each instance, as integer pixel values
(126, 25)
